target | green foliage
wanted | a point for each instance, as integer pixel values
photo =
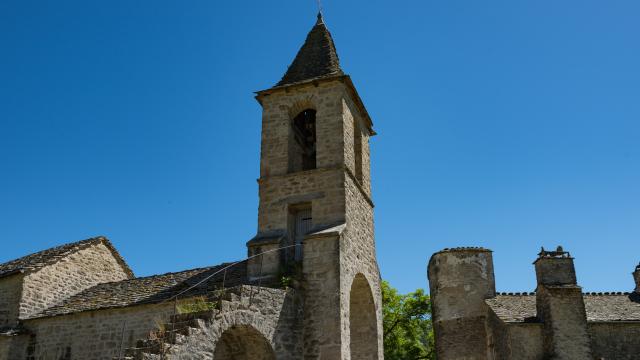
(289, 273)
(285, 281)
(408, 332)
(197, 304)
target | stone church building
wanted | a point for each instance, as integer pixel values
(310, 288)
(557, 321)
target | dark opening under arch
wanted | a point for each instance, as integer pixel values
(362, 320)
(243, 343)
(302, 144)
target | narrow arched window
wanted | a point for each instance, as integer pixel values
(357, 149)
(302, 143)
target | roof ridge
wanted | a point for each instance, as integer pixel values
(39, 259)
(153, 289)
(165, 274)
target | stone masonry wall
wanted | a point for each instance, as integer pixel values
(460, 280)
(322, 297)
(358, 256)
(5, 342)
(273, 313)
(525, 341)
(78, 271)
(351, 115)
(323, 188)
(92, 335)
(279, 108)
(10, 294)
(563, 313)
(497, 338)
(615, 340)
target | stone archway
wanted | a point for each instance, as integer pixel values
(362, 320)
(243, 342)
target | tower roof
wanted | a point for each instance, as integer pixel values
(317, 58)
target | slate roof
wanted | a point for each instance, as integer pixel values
(317, 58)
(612, 307)
(50, 256)
(150, 289)
(519, 307)
(609, 306)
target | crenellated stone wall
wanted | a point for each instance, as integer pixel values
(558, 321)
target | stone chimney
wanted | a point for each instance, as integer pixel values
(636, 277)
(560, 307)
(460, 280)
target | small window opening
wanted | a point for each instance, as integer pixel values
(302, 151)
(299, 225)
(357, 149)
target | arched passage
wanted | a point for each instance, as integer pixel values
(243, 342)
(362, 320)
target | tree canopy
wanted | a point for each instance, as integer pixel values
(408, 332)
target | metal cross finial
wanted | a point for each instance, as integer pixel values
(319, 7)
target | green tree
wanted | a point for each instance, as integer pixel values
(408, 333)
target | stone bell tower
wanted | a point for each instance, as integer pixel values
(315, 199)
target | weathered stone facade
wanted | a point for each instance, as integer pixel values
(558, 321)
(310, 288)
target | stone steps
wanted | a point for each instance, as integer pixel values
(180, 327)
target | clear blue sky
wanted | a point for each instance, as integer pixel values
(505, 124)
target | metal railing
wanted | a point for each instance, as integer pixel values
(175, 298)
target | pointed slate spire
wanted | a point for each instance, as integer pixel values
(317, 58)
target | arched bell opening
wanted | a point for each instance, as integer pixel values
(302, 142)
